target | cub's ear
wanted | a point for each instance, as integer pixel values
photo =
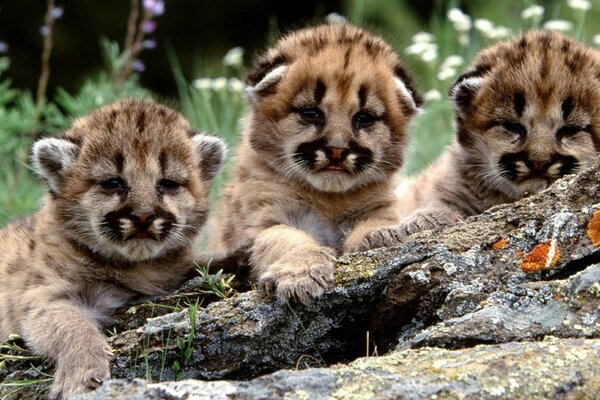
(52, 158)
(465, 87)
(267, 71)
(212, 152)
(406, 90)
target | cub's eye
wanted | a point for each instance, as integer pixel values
(568, 131)
(113, 185)
(311, 115)
(167, 186)
(515, 128)
(363, 119)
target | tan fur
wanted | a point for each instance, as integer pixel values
(67, 267)
(312, 177)
(527, 113)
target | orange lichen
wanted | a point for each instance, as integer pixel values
(500, 244)
(593, 229)
(543, 257)
(519, 254)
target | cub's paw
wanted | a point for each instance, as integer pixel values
(80, 372)
(428, 219)
(301, 276)
(384, 237)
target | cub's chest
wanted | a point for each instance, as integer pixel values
(324, 230)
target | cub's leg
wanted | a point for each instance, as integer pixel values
(61, 331)
(289, 262)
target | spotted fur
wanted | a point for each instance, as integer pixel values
(127, 195)
(527, 112)
(321, 144)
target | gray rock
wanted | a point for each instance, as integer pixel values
(554, 368)
(515, 274)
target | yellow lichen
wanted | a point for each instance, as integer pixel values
(543, 257)
(593, 228)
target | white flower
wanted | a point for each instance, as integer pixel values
(460, 20)
(483, 25)
(234, 57)
(558, 25)
(430, 55)
(423, 37)
(236, 85)
(533, 12)
(582, 5)
(464, 39)
(202, 83)
(420, 48)
(501, 32)
(596, 39)
(452, 61)
(433, 95)
(446, 73)
(335, 18)
(219, 84)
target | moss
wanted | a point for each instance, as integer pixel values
(355, 269)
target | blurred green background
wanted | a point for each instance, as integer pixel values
(181, 60)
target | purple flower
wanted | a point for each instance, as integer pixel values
(149, 44)
(57, 12)
(139, 66)
(149, 26)
(44, 30)
(154, 7)
(3, 46)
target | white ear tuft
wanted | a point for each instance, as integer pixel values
(406, 94)
(52, 158)
(212, 152)
(463, 90)
(269, 80)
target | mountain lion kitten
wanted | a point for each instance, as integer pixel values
(128, 188)
(527, 113)
(324, 136)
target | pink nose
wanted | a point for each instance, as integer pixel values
(336, 152)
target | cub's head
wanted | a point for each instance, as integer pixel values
(528, 112)
(330, 106)
(130, 180)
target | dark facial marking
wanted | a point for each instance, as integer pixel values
(162, 161)
(347, 57)
(141, 121)
(567, 107)
(141, 222)
(508, 164)
(119, 162)
(306, 154)
(319, 92)
(519, 103)
(362, 96)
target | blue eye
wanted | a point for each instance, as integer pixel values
(167, 186)
(363, 119)
(311, 115)
(113, 184)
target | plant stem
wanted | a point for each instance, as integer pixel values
(45, 62)
(131, 24)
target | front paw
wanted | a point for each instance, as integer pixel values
(301, 277)
(428, 219)
(384, 237)
(81, 371)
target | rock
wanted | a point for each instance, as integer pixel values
(553, 368)
(516, 274)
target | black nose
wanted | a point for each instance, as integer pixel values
(142, 220)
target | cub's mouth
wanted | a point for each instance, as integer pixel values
(533, 176)
(318, 155)
(128, 225)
